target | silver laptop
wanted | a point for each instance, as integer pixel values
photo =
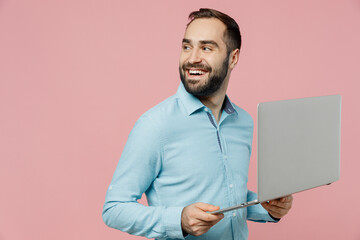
(298, 146)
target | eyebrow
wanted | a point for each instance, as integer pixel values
(203, 42)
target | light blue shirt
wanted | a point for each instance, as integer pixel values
(178, 155)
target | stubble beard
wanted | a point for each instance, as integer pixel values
(211, 85)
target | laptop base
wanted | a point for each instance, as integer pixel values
(247, 204)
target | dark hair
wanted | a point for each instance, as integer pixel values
(232, 34)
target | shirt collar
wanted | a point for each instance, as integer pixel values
(228, 106)
(192, 103)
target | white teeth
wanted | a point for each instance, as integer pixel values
(196, 72)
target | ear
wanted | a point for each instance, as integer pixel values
(234, 58)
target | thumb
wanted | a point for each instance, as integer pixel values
(206, 207)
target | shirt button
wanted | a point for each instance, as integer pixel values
(234, 214)
(230, 185)
(225, 157)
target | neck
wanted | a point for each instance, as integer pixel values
(215, 101)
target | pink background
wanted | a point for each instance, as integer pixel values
(75, 76)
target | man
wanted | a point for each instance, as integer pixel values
(190, 154)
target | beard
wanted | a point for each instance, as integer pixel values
(211, 85)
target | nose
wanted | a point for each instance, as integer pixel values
(195, 56)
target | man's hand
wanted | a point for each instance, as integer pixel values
(196, 221)
(280, 207)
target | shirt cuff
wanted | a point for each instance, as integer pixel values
(258, 214)
(172, 222)
(275, 219)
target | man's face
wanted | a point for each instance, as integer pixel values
(204, 61)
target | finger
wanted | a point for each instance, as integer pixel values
(275, 210)
(206, 207)
(277, 214)
(199, 230)
(208, 224)
(286, 199)
(201, 227)
(289, 198)
(204, 216)
(280, 204)
(285, 202)
(275, 207)
(208, 217)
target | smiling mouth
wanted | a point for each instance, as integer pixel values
(196, 73)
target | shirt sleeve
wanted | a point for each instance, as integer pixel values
(257, 213)
(138, 166)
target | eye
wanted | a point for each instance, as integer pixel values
(207, 49)
(186, 47)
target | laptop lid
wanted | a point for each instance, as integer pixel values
(298, 145)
